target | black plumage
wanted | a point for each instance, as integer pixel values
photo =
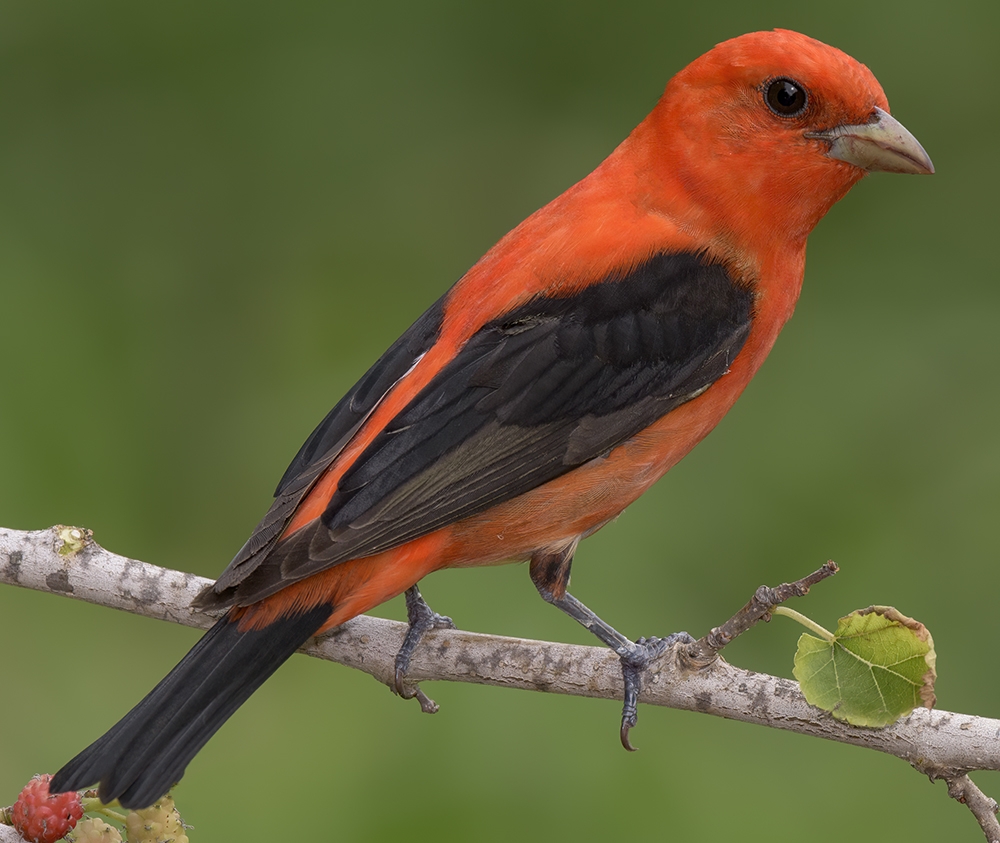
(554, 383)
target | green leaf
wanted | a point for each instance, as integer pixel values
(876, 668)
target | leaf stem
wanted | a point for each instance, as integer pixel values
(96, 806)
(808, 623)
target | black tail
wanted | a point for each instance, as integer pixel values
(145, 753)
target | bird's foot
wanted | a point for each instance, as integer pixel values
(421, 619)
(635, 661)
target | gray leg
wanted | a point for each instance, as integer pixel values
(550, 574)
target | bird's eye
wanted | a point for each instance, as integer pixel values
(786, 98)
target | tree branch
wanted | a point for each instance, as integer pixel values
(9, 835)
(940, 744)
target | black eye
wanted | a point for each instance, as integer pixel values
(786, 98)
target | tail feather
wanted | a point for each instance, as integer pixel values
(146, 752)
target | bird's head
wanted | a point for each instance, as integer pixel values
(768, 130)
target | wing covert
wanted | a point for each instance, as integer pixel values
(530, 396)
(547, 387)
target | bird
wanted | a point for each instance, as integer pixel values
(569, 369)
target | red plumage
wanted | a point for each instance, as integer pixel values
(568, 370)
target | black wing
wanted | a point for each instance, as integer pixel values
(325, 443)
(530, 396)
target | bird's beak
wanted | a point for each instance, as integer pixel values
(881, 145)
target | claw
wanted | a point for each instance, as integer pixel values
(550, 574)
(626, 726)
(421, 619)
(634, 661)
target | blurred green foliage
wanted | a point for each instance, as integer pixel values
(215, 216)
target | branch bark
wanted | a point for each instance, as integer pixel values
(9, 835)
(940, 744)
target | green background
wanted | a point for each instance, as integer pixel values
(215, 216)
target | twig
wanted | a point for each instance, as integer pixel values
(706, 650)
(941, 744)
(984, 809)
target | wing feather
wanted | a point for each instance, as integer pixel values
(530, 396)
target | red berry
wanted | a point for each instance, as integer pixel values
(40, 817)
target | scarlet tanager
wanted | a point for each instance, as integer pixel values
(583, 356)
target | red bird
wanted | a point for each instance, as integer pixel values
(564, 374)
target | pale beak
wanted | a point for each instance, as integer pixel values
(881, 145)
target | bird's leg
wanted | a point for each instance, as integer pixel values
(421, 618)
(550, 574)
